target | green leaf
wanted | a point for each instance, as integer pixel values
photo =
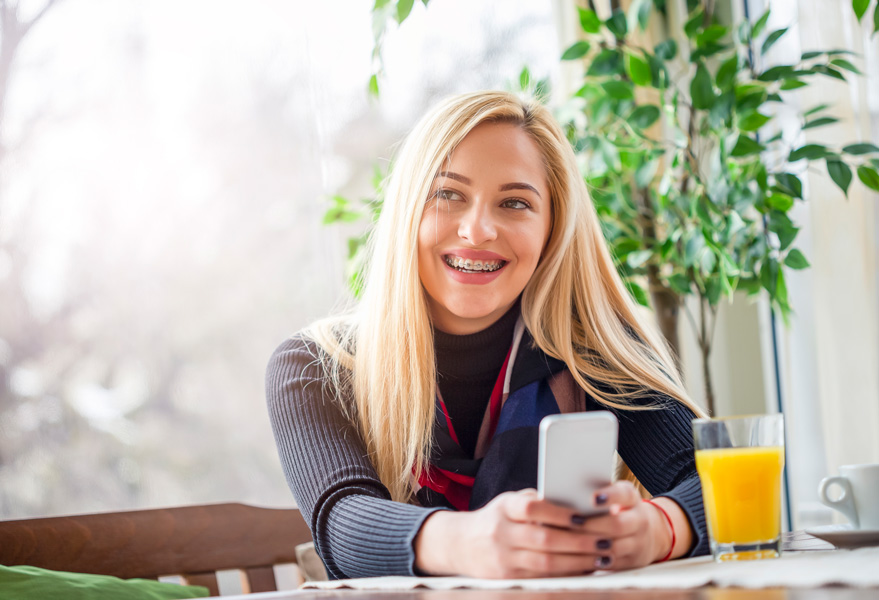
(646, 172)
(644, 116)
(608, 62)
(789, 184)
(769, 275)
(860, 8)
(808, 152)
(644, 14)
(620, 90)
(819, 122)
(869, 177)
(639, 258)
(379, 4)
(844, 64)
(875, 20)
(776, 73)
(616, 24)
(524, 78)
(701, 89)
(693, 247)
(781, 297)
(792, 84)
(404, 7)
(726, 74)
(638, 69)
(840, 173)
(666, 50)
(711, 34)
(589, 21)
(720, 114)
(638, 293)
(780, 202)
(751, 102)
(713, 289)
(709, 49)
(829, 71)
(796, 260)
(577, 50)
(757, 29)
(679, 283)
(694, 23)
(707, 261)
(781, 225)
(771, 39)
(753, 121)
(858, 149)
(746, 146)
(373, 85)
(818, 108)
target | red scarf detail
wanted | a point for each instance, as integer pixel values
(458, 488)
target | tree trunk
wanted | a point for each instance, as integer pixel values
(666, 305)
(705, 340)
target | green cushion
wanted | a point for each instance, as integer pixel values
(32, 583)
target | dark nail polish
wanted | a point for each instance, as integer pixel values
(600, 499)
(603, 544)
(578, 519)
(602, 561)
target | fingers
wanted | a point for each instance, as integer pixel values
(530, 536)
(526, 507)
(620, 493)
(529, 563)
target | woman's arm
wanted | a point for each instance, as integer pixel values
(357, 529)
(657, 445)
(514, 536)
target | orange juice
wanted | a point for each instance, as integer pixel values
(742, 492)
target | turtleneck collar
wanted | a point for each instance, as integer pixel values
(477, 355)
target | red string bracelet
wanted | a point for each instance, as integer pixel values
(670, 526)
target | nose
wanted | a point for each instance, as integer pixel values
(477, 225)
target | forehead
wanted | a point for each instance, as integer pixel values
(499, 151)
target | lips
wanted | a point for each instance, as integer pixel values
(473, 266)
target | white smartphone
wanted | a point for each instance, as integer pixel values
(576, 458)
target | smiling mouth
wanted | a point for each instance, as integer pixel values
(467, 265)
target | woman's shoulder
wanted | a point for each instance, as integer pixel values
(299, 356)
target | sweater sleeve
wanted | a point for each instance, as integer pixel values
(358, 531)
(657, 445)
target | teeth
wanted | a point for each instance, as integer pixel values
(473, 265)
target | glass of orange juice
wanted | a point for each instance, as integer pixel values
(740, 460)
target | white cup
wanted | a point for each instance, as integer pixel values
(860, 494)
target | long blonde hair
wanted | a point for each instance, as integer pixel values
(575, 305)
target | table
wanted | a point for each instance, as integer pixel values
(705, 593)
(804, 574)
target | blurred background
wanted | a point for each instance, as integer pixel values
(164, 172)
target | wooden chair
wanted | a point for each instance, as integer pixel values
(193, 542)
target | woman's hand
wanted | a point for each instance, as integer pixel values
(637, 532)
(516, 535)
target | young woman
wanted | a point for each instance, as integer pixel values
(490, 301)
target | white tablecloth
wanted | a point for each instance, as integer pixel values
(855, 568)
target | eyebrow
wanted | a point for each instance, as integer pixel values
(503, 188)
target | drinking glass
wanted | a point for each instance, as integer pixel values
(740, 460)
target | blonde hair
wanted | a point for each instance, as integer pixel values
(575, 305)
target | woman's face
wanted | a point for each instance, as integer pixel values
(484, 227)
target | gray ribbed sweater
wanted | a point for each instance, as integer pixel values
(359, 531)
